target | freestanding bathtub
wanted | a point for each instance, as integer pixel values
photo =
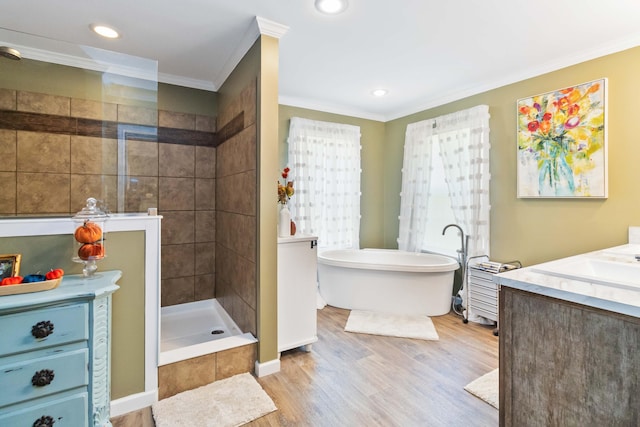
(387, 280)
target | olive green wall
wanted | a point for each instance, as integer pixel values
(538, 230)
(528, 230)
(372, 157)
(125, 252)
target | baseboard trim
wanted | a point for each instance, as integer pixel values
(133, 402)
(267, 368)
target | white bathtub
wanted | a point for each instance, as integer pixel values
(195, 329)
(386, 280)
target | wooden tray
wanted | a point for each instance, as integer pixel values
(25, 288)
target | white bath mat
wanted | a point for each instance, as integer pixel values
(393, 325)
(486, 388)
(226, 403)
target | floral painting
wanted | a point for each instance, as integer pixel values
(562, 143)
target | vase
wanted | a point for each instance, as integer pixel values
(284, 223)
(555, 177)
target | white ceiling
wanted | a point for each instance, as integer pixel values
(424, 53)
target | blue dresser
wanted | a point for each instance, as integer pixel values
(55, 354)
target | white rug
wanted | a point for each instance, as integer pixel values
(394, 325)
(230, 402)
(486, 388)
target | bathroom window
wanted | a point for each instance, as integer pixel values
(445, 179)
(324, 159)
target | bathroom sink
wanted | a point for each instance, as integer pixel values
(605, 272)
(630, 249)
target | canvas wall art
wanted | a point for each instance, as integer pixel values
(562, 143)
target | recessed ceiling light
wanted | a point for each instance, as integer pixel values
(332, 6)
(379, 92)
(104, 31)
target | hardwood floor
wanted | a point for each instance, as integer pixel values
(355, 380)
(366, 380)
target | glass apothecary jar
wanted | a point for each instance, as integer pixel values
(89, 236)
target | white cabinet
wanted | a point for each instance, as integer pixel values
(297, 287)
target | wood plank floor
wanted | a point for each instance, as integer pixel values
(353, 379)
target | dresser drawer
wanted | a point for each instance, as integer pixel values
(65, 323)
(476, 295)
(58, 372)
(69, 411)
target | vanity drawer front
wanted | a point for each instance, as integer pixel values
(66, 324)
(59, 372)
(70, 411)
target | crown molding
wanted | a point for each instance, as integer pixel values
(329, 108)
(258, 27)
(271, 28)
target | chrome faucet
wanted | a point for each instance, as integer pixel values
(463, 247)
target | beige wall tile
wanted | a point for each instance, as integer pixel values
(177, 290)
(140, 193)
(186, 375)
(93, 155)
(236, 361)
(97, 110)
(237, 193)
(205, 226)
(137, 115)
(205, 123)
(43, 193)
(32, 102)
(178, 227)
(100, 187)
(176, 194)
(205, 258)
(43, 152)
(176, 160)
(237, 232)
(244, 316)
(205, 162)
(8, 193)
(172, 119)
(238, 154)
(142, 158)
(245, 281)
(8, 148)
(205, 193)
(8, 99)
(205, 287)
(178, 260)
(249, 104)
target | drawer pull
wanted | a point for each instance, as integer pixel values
(42, 378)
(42, 329)
(44, 421)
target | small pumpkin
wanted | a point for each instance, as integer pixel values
(89, 232)
(90, 251)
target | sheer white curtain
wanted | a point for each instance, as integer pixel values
(463, 138)
(324, 159)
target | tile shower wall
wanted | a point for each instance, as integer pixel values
(56, 151)
(236, 220)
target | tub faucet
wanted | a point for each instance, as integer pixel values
(464, 243)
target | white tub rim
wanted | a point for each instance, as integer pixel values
(329, 257)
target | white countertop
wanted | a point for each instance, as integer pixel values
(589, 293)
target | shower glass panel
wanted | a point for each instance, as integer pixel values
(71, 118)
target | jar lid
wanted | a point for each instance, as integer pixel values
(91, 211)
